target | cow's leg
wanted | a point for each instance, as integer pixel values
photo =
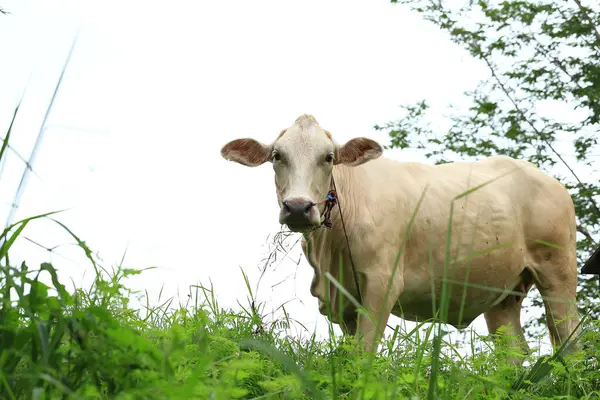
(508, 314)
(558, 292)
(554, 268)
(373, 291)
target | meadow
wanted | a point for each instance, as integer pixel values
(91, 343)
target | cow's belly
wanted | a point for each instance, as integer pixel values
(420, 309)
(487, 250)
(488, 277)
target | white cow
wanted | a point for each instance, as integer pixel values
(515, 231)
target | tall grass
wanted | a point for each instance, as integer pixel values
(89, 343)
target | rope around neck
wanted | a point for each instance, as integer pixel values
(330, 201)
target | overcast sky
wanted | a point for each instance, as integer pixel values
(152, 93)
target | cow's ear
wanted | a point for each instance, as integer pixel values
(247, 152)
(358, 151)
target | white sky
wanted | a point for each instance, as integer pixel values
(154, 91)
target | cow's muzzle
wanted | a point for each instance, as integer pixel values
(299, 214)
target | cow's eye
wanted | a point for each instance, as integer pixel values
(329, 158)
(276, 157)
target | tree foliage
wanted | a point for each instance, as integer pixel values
(540, 102)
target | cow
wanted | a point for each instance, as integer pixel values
(512, 226)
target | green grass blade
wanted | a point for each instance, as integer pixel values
(287, 362)
(6, 139)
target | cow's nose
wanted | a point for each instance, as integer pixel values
(299, 213)
(297, 208)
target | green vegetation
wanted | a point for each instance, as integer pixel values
(91, 344)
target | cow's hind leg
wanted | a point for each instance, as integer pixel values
(551, 257)
(507, 314)
(557, 285)
(561, 315)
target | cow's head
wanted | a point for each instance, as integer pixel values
(303, 157)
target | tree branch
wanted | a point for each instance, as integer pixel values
(535, 129)
(553, 59)
(585, 233)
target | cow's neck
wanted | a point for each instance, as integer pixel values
(324, 247)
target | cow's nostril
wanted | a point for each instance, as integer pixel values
(297, 211)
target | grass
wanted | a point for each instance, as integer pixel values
(90, 343)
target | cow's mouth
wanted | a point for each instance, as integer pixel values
(301, 227)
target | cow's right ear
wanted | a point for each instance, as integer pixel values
(247, 152)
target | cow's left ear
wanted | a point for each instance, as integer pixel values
(358, 151)
(247, 152)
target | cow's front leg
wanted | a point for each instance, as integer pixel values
(373, 291)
